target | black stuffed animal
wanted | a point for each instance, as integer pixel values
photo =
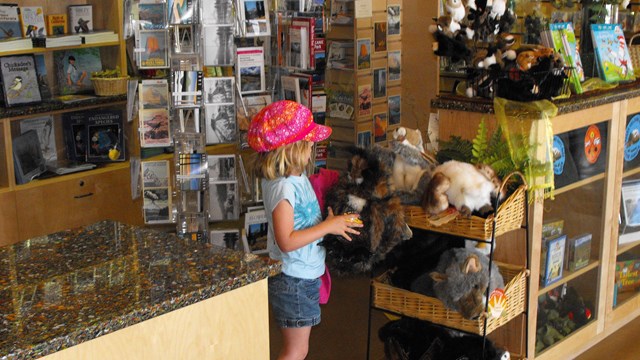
(412, 339)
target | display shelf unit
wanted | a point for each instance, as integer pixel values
(588, 205)
(33, 209)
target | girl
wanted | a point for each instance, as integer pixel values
(283, 134)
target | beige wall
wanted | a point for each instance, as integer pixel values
(419, 75)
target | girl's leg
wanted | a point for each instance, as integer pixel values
(296, 343)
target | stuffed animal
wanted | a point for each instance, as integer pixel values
(460, 281)
(455, 9)
(412, 339)
(409, 137)
(435, 199)
(471, 187)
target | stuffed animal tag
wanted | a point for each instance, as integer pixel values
(497, 303)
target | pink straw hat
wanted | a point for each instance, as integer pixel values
(281, 123)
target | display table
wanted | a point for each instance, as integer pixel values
(115, 291)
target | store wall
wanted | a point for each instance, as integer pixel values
(419, 73)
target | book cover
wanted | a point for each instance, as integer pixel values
(180, 11)
(156, 49)
(32, 21)
(43, 126)
(290, 88)
(250, 70)
(255, 18)
(578, 252)
(74, 68)
(320, 56)
(297, 51)
(319, 106)
(309, 23)
(627, 275)
(56, 24)
(154, 130)
(552, 228)
(220, 121)
(554, 260)
(152, 16)
(632, 142)
(305, 82)
(105, 136)
(9, 21)
(19, 80)
(43, 80)
(80, 18)
(74, 126)
(224, 200)
(256, 228)
(564, 42)
(612, 52)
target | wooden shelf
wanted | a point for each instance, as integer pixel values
(631, 172)
(41, 50)
(578, 184)
(626, 247)
(568, 276)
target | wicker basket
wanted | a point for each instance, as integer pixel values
(509, 217)
(404, 302)
(110, 86)
(634, 51)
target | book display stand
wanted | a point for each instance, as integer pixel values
(363, 76)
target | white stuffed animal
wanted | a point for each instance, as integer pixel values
(456, 10)
(409, 137)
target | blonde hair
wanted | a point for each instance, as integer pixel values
(283, 161)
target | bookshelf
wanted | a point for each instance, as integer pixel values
(34, 209)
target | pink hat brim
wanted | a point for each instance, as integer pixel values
(318, 133)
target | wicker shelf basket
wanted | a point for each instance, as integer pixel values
(509, 217)
(404, 302)
(110, 86)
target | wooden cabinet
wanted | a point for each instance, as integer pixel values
(45, 206)
(589, 204)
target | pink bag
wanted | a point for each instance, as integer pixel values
(325, 286)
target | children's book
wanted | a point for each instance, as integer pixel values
(32, 21)
(74, 68)
(56, 24)
(105, 136)
(74, 126)
(564, 42)
(19, 80)
(46, 135)
(80, 18)
(554, 260)
(612, 53)
(9, 21)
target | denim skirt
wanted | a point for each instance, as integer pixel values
(295, 302)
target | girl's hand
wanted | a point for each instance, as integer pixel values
(343, 224)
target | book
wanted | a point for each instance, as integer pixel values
(180, 11)
(96, 37)
(32, 21)
(13, 44)
(9, 21)
(554, 260)
(151, 15)
(250, 73)
(340, 55)
(319, 106)
(43, 80)
(578, 252)
(74, 68)
(297, 51)
(612, 53)
(56, 24)
(308, 23)
(564, 42)
(53, 41)
(342, 12)
(256, 228)
(19, 80)
(43, 126)
(290, 88)
(552, 228)
(80, 18)
(74, 127)
(627, 278)
(320, 53)
(105, 136)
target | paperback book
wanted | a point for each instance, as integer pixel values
(298, 49)
(56, 24)
(612, 53)
(290, 88)
(43, 126)
(19, 80)
(105, 136)
(80, 18)
(256, 228)
(578, 252)
(250, 70)
(309, 24)
(32, 21)
(74, 67)
(554, 260)
(74, 126)
(9, 21)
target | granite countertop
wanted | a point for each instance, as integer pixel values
(572, 104)
(54, 104)
(60, 290)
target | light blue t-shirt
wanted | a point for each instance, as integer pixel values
(306, 262)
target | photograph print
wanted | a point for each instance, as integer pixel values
(251, 79)
(393, 20)
(217, 12)
(155, 128)
(151, 16)
(218, 45)
(219, 90)
(183, 39)
(364, 139)
(380, 36)
(380, 124)
(220, 121)
(222, 167)
(394, 110)
(155, 174)
(229, 239)
(156, 49)
(154, 94)
(256, 18)
(364, 54)
(224, 202)
(189, 119)
(379, 83)
(156, 206)
(364, 100)
(395, 65)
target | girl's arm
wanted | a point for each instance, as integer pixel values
(289, 239)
